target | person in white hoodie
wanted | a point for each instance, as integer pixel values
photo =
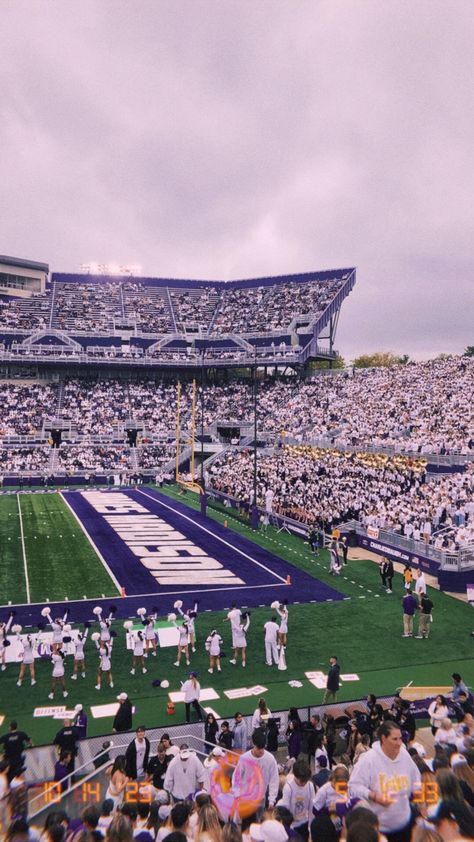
(298, 797)
(387, 777)
(268, 765)
(184, 775)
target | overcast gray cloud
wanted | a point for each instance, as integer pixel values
(233, 139)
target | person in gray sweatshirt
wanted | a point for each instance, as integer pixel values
(239, 733)
(387, 777)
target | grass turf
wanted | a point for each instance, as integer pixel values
(60, 560)
(364, 631)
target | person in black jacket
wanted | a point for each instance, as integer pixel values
(210, 732)
(66, 741)
(123, 718)
(332, 685)
(157, 766)
(137, 755)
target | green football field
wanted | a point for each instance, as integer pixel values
(364, 630)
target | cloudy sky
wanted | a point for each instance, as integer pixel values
(235, 138)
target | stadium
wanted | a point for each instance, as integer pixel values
(173, 444)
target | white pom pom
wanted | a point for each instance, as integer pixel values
(178, 603)
(16, 629)
(67, 627)
(171, 618)
(97, 610)
(46, 612)
(128, 624)
(165, 683)
(141, 612)
(95, 637)
(275, 605)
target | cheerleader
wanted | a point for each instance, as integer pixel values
(4, 642)
(27, 657)
(239, 640)
(79, 657)
(213, 646)
(150, 636)
(57, 627)
(189, 618)
(105, 664)
(149, 630)
(57, 659)
(282, 610)
(183, 640)
(104, 625)
(138, 642)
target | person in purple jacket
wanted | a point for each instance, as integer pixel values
(410, 604)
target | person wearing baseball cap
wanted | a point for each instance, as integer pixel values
(184, 775)
(268, 831)
(123, 718)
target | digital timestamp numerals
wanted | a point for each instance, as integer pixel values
(91, 793)
(426, 793)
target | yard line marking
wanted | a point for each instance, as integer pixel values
(210, 532)
(114, 579)
(25, 565)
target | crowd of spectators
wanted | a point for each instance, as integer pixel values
(24, 407)
(264, 308)
(329, 784)
(424, 407)
(24, 459)
(152, 309)
(78, 458)
(329, 486)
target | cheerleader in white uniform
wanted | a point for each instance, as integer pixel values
(79, 657)
(27, 658)
(57, 627)
(189, 618)
(4, 642)
(57, 659)
(183, 641)
(239, 640)
(150, 635)
(138, 643)
(105, 663)
(283, 630)
(213, 646)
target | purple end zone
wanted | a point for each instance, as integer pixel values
(260, 575)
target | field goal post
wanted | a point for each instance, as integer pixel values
(192, 484)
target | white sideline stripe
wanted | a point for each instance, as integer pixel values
(213, 534)
(154, 594)
(25, 564)
(114, 580)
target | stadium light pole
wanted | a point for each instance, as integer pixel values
(254, 514)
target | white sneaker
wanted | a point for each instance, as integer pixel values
(50, 695)
(97, 686)
(193, 649)
(210, 670)
(388, 590)
(188, 663)
(83, 674)
(65, 694)
(73, 677)
(154, 653)
(132, 672)
(111, 685)
(143, 670)
(219, 669)
(3, 667)
(18, 684)
(405, 635)
(176, 664)
(244, 664)
(33, 682)
(232, 661)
